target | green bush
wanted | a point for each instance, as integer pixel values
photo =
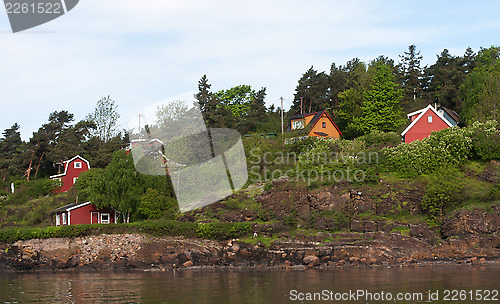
(381, 139)
(216, 231)
(442, 191)
(448, 147)
(486, 143)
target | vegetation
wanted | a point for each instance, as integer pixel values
(449, 169)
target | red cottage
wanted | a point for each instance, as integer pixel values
(84, 213)
(427, 120)
(72, 169)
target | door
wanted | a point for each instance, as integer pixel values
(94, 217)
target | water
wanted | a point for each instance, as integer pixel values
(266, 286)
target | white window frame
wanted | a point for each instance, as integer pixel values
(64, 218)
(429, 119)
(77, 165)
(58, 220)
(298, 124)
(74, 179)
(109, 218)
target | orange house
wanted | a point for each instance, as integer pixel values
(317, 124)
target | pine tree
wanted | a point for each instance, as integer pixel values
(411, 74)
(312, 92)
(445, 78)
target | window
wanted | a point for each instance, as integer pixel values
(58, 220)
(64, 218)
(104, 218)
(78, 165)
(297, 124)
(74, 179)
(323, 124)
(429, 118)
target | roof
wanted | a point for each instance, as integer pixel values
(313, 121)
(72, 206)
(422, 112)
(66, 167)
(452, 113)
(302, 115)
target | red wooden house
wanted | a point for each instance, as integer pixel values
(84, 213)
(72, 169)
(427, 120)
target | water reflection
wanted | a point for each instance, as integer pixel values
(231, 286)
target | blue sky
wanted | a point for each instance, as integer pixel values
(142, 52)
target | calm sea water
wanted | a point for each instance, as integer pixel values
(269, 286)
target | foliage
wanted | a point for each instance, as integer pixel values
(380, 108)
(216, 231)
(442, 190)
(451, 146)
(486, 141)
(104, 118)
(155, 205)
(380, 139)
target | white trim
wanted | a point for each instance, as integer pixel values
(109, 217)
(79, 163)
(58, 220)
(66, 166)
(422, 114)
(415, 113)
(78, 206)
(69, 217)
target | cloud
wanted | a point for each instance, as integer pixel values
(141, 52)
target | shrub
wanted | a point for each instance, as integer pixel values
(448, 147)
(442, 191)
(381, 139)
(486, 141)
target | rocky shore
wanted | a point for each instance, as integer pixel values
(322, 250)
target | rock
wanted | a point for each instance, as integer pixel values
(466, 222)
(482, 261)
(188, 264)
(354, 260)
(473, 260)
(311, 261)
(298, 267)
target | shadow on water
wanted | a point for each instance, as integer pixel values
(213, 287)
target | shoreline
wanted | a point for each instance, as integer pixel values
(137, 252)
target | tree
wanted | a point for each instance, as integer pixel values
(11, 143)
(481, 87)
(105, 118)
(312, 92)
(350, 102)
(214, 112)
(237, 99)
(256, 115)
(381, 110)
(337, 84)
(444, 80)
(411, 73)
(119, 186)
(11, 147)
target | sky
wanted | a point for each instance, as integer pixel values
(142, 52)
